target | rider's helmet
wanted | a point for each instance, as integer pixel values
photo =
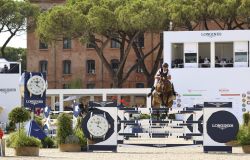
(165, 64)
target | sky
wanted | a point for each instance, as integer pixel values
(18, 41)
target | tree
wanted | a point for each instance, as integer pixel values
(13, 17)
(151, 17)
(99, 22)
(225, 14)
(15, 54)
(244, 12)
(184, 14)
(19, 115)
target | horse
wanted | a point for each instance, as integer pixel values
(163, 95)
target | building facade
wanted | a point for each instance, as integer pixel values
(71, 61)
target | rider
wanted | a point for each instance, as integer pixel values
(162, 72)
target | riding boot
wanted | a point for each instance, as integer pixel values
(174, 93)
(152, 89)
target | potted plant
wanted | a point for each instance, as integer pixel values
(78, 132)
(243, 136)
(23, 144)
(246, 118)
(67, 142)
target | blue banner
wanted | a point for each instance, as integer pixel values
(35, 131)
(34, 93)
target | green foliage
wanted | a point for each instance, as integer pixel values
(76, 84)
(54, 116)
(13, 18)
(64, 127)
(20, 139)
(38, 120)
(48, 143)
(243, 136)
(78, 132)
(59, 22)
(11, 126)
(141, 15)
(144, 116)
(72, 139)
(246, 118)
(19, 115)
(11, 138)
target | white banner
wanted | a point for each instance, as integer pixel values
(9, 94)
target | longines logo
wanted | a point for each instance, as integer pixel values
(211, 35)
(218, 104)
(34, 102)
(7, 90)
(104, 103)
(222, 126)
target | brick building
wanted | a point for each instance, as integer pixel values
(69, 60)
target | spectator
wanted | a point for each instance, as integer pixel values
(206, 61)
(217, 59)
(5, 69)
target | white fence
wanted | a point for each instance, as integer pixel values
(98, 92)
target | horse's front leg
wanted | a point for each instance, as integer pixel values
(162, 100)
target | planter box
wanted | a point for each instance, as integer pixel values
(246, 148)
(27, 151)
(70, 147)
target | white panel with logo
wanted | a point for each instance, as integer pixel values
(9, 94)
(219, 127)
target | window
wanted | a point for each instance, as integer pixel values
(43, 45)
(139, 68)
(140, 40)
(43, 66)
(90, 85)
(66, 43)
(91, 66)
(115, 44)
(66, 67)
(66, 86)
(115, 64)
(139, 85)
(90, 45)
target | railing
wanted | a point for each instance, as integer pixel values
(104, 93)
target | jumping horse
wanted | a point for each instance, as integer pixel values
(163, 95)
